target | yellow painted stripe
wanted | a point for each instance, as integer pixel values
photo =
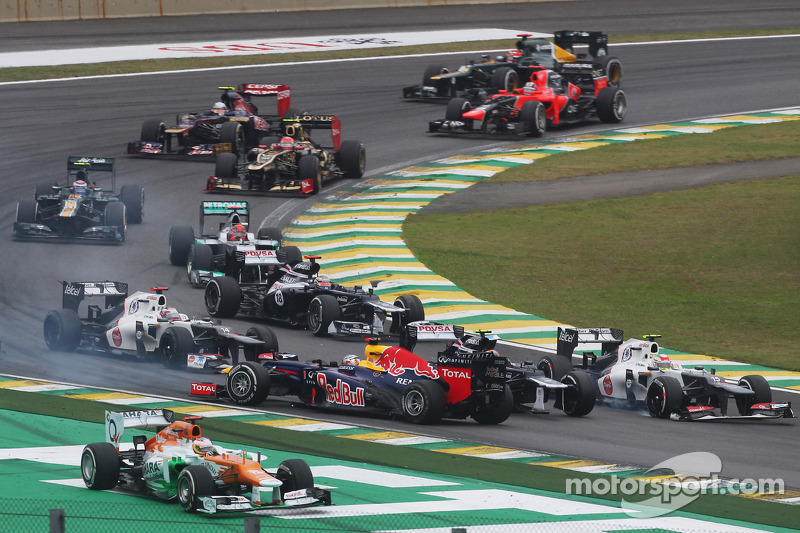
(500, 155)
(658, 479)
(729, 373)
(476, 450)
(20, 383)
(641, 135)
(795, 387)
(286, 422)
(383, 265)
(575, 463)
(380, 435)
(200, 409)
(100, 396)
(362, 226)
(772, 495)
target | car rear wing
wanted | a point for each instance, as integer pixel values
(314, 122)
(424, 330)
(282, 92)
(225, 208)
(74, 292)
(118, 422)
(569, 338)
(89, 164)
(597, 41)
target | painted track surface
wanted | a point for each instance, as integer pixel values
(97, 117)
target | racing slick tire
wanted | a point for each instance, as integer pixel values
(291, 255)
(248, 383)
(233, 133)
(181, 239)
(201, 257)
(44, 188)
(62, 330)
(27, 210)
(100, 466)
(414, 312)
(496, 413)
(442, 86)
(611, 105)
(554, 367)
(580, 395)
(308, 169)
(262, 333)
(610, 66)
(153, 131)
(132, 195)
(269, 234)
(295, 474)
(223, 296)
(423, 402)
(116, 214)
(193, 482)
(322, 311)
(505, 78)
(664, 396)
(352, 159)
(761, 388)
(534, 117)
(175, 344)
(456, 109)
(226, 168)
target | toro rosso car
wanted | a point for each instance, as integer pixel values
(232, 125)
(84, 208)
(479, 79)
(297, 295)
(227, 247)
(389, 380)
(635, 372)
(142, 324)
(548, 99)
(574, 393)
(178, 463)
(292, 163)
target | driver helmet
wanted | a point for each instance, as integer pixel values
(529, 88)
(662, 361)
(170, 313)
(219, 108)
(513, 55)
(554, 80)
(79, 187)
(203, 446)
(237, 233)
(323, 282)
(286, 143)
(351, 360)
(296, 130)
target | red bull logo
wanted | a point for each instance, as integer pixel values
(396, 360)
(341, 393)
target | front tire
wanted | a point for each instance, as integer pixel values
(534, 118)
(580, 395)
(308, 169)
(233, 133)
(456, 109)
(248, 383)
(262, 333)
(194, 481)
(62, 330)
(176, 343)
(116, 215)
(295, 474)
(352, 159)
(223, 296)
(442, 86)
(269, 234)
(664, 396)
(760, 386)
(322, 311)
(201, 257)
(423, 402)
(132, 195)
(100, 466)
(226, 167)
(27, 211)
(497, 413)
(414, 312)
(555, 367)
(153, 131)
(181, 239)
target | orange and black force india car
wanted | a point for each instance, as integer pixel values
(478, 80)
(83, 208)
(390, 380)
(637, 373)
(179, 463)
(142, 324)
(291, 163)
(233, 125)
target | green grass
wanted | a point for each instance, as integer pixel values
(715, 270)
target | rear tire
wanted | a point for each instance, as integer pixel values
(226, 167)
(534, 116)
(308, 169)
(176, 343)
(262, 333)
(611, 66)
(132, 195)
(181, 239)
(193, 482)
(423, 402)
(611, 105)
(352, 159)
(580, 394)
(497, 413)
(322, 311)
(100, 466)
(664, 396)
(761, 388)
(554, 367)
(248, 383)
(223, 296)
(62, 330)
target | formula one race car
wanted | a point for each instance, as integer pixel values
(574, 393)
(549, 99)
(226, 247)
(85, 208)
(232, 125)
(478, 80)
(635, 372)
(390, 380)
(297, 295)
(292, 163)
(142, 324)
(179, 463)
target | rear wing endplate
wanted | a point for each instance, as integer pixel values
(424, 330)
(282, 92)
(73, 292)
(316, 122)
(569, 338)
(118, 422)
(597, 40)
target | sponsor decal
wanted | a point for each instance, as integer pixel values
(116, 337)
(204, 389)
(626, 354)
(457, 374)
(153, 469)
(566, 337)
(341, 393)
(72, 290)
(134, 307)
(608, 387)
(395, 361)
(431, 328)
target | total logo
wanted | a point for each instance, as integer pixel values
(455, 374)
(341, 393)
(206, 389)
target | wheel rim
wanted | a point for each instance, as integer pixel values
(185, 492)
(88, 467)
(570, 394)
(315, 315)
(168, 349)
(413, 402)
(619, 105)
(241, 384)
(212, 298)
(52, 332)
(655, 402)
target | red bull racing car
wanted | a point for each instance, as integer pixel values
(233, 124)
(637, 373)
(390, 380)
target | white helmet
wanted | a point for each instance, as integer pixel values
(219, 108)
